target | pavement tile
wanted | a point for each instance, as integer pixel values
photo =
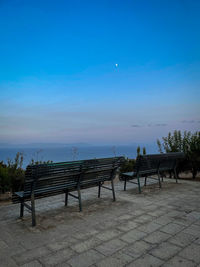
(194, 215)
(146, 261)
(192, 252)
(85, 259)
(181, 221)
(197, 240)
(127, 226)
(197, 222)
(163, 220)
(111, 246)
(3, 245)
(165, 250)
(124, 217)
(64, 264)
(35, 240)
(133, 235)
(172, 228)
(13, 249)
(108, 234)
(137, 248)
(179, 262)
(114, 261)
(138, 212)
(6, 236)
(157, 237)
(31, 255)
(149, 227)
(34, 263)
(181, 239)
(122, 256)
(85, 245)
(7, 261)
(85, 235)
(57, 245)
(57, 257)
(175, 213)
(144, 218)
(156, 213)
(193, 230)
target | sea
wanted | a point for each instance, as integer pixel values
(68, 153)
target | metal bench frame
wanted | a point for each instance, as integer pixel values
(34, 191)
(162, 163)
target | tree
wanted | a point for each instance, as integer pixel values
(138, 151)
(186, 142)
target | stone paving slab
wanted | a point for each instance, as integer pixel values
(165, 251)
(179, 262)
(160, 227)
(146, 260)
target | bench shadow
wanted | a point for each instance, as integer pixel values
(69, 215)
(153, 188)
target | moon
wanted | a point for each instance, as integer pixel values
(116, 65)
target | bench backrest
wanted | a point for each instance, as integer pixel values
(153, 162)
(169, 161)
(57, 176)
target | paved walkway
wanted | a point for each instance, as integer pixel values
(160, 227)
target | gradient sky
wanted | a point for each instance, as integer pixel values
(59, 81)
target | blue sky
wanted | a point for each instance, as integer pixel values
(59, 81)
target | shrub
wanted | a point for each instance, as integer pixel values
(5, 182)
(127, 166)
(189, 143)
(12, 174)
(37, 162)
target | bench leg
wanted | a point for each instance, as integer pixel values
(33, 210)
(145, 181)
(79, 199)
(22, 209)
(99, 191)
(159, 180)
(113, 190)
(125, 184)
(175, 175)
(139, 187)
(66, 198)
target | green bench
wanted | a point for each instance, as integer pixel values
(154, 164)
(51, 179)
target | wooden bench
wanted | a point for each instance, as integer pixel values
(51, 179)
(154, 164)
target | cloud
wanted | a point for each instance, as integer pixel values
(157, 125)
(135, 125)
(149, 125)
(161, 124)
(190, 121)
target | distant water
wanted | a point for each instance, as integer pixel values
(60, 154)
